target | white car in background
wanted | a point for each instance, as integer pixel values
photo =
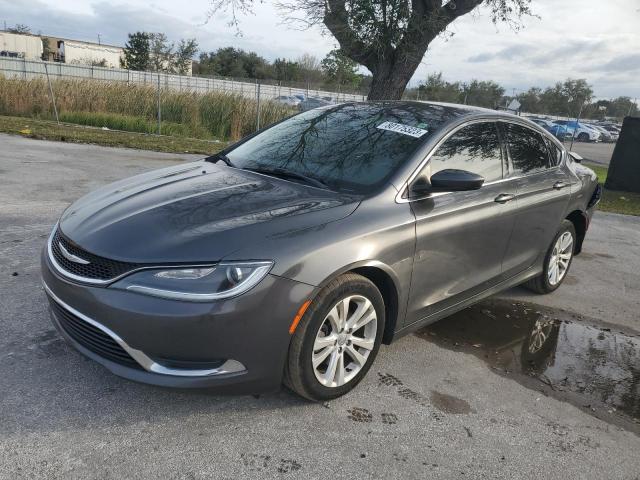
(288, 100)
(580, 131)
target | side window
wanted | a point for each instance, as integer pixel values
(556, 153)
(475, 148)
(528, 151)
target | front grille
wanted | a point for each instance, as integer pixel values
(98, 268)
(91, 337)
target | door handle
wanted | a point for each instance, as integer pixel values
(504, 198)
(559, 185)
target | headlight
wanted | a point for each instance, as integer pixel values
(197, 284)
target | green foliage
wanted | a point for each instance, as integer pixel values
(137, 51)
(486, 94)
(234, 62)
(184, 54)
(340, 69)
(564, 98)
(146, 51)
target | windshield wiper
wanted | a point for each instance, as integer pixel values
(220, 157)
(282, 173)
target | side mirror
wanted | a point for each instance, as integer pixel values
(456, 180)
(576, 157)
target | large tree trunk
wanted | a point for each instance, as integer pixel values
(390, 79)
(388, 84)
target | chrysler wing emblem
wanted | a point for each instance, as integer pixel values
(71, 257)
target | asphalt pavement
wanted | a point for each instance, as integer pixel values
(426, 410)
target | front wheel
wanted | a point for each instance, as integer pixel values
(337, 340)
(557, 261)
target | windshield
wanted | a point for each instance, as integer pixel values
(352, 147)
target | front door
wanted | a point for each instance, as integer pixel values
(461, 237)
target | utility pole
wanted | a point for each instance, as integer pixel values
(99, 43)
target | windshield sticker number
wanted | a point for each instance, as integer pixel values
(403, 129)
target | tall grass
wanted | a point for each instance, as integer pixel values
(122, 106)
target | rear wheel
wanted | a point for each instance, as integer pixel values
(583, 137)
(557, 261)
(337, 340)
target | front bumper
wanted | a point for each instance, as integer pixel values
(237, 345)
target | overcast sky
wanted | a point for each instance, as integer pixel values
(594, 39)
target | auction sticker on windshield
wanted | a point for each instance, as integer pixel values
(404, 129)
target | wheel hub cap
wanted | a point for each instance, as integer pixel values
(344, 341)
(560, 258)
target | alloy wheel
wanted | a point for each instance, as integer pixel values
(560, 258)
(344, 341)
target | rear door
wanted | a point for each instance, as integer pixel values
(543, 191)
(461, 237)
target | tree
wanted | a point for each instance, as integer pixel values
(310, 70)
(286, 70)
(136, 52)
(389, 37)
(340, 69)
(160, 52)
(482, 93)
(530, 100)
(232, 62)
(183, 56)
(19, 28)
(439, 90)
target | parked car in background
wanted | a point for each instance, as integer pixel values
(607, 136)
(293, 254)
(558, 131)
(612, 129)
(288, 100)
(300, 97)
(313, 102)
(580, 131)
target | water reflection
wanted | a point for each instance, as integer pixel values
(599, 365)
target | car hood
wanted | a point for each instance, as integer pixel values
(199, 212)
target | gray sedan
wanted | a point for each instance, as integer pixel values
(291, 256)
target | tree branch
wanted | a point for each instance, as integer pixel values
(336, 21)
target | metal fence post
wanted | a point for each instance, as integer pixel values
(53, 98)
(159, 108)
(573, 137)
(24, 68)
(258, 106)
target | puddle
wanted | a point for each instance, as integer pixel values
(592, 367)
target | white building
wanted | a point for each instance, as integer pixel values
(84, 53)
(19, 45)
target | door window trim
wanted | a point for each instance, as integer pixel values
(400, 197)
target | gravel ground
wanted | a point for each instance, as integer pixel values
(424, 410)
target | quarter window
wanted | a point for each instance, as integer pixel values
(528, 151)
(556, 153)
(475, 148)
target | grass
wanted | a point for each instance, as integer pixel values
(49, 130)
(133, 107)
(626, 203)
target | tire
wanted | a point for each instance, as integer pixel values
(543, 284)
(320, 327)
(583, 137)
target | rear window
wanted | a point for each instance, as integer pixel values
(527, 148)
(351, 146)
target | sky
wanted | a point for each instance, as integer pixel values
(594, 39)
